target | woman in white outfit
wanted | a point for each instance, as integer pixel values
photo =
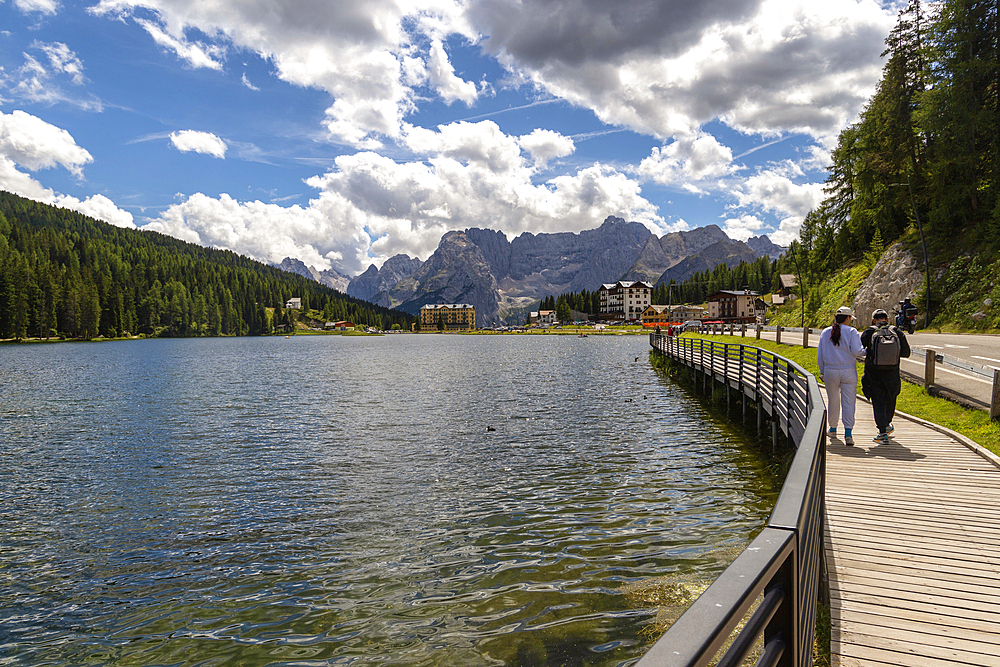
(839, 350)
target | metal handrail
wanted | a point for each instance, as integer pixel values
(783, 562)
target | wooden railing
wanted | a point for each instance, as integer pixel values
(782, 564)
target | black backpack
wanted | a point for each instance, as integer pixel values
(884, 348)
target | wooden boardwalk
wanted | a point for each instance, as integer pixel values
(912, 548)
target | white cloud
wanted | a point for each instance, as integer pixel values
(764, 67)
(480, 143)
(40, 6)
(357, 52)
(62, 59)
(34, 81)
(442, 75)
(197, 54)
(688, 161)
(325, 230)
(743, 227)
(773, 190)
(788, 231)
(97, 206)
(246, 82)
(545, 145)
(32, 143)
(199, 142)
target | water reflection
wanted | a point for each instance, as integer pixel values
(338, 500)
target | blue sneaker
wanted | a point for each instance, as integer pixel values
(889, 429)
(848, 440)
(833, 431)
(881, 438)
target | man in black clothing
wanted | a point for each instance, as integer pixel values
(881, 383)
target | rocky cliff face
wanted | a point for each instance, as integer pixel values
(482, 267)
(372, 282)
(725, 251)
(457, 272)
(764, 246)
(895, 277)
(662, 253)
(328, 277)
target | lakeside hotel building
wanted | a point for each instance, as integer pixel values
(454, 315)
(624, 300)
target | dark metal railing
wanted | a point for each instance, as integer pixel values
(782, 563)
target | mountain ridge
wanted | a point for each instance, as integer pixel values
(501, 277)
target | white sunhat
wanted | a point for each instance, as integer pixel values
(844, 310)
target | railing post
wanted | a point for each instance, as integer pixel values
(929, 365)
(784, 624)
(774, 403)
(777, 334)
(760, 401)
(789, 397)
(725, 366)
(995, 403)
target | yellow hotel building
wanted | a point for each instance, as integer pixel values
(454, 315)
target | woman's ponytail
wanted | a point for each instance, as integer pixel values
(835, 334)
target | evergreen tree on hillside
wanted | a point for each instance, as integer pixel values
(927, 143)
(960, 115)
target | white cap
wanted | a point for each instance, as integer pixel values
(844, 310)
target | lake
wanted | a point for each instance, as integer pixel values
(328, 500)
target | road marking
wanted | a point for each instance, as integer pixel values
(960, 347)
(987, 359)
(941, 369)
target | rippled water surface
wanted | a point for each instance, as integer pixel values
(342, 500)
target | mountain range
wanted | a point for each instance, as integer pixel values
(328, 277)
(502, 277)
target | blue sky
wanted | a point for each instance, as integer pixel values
(343, 134)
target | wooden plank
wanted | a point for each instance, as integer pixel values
(927, 531)
(919, 560)
(933, 623)
(850, 654)
(930, 571)
(876, 514)
(966, 553)
(904, 630)
(912, 649)
(929, 501)
(899, 602)
(889, 574)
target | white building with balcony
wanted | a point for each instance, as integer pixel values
(624, 300)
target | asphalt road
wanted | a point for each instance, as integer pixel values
(979, 349)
